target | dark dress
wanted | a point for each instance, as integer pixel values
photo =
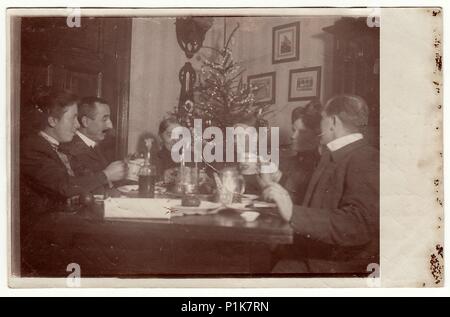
(46, 176)
(45, 187)
(164, 162)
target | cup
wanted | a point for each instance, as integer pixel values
(188, 178)
(230, 185)
(73, 204)
(133, 169)
(225, 197)
(249, 164)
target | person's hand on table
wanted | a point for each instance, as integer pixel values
(116, 171)
(114, 193)
(276, 193)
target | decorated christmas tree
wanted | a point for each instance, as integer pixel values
(222, 99)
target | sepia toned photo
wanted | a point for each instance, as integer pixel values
(196, 146)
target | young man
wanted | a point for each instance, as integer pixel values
(95, 122)
(337, 225)
(46, 170)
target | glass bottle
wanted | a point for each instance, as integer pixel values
(147, 178)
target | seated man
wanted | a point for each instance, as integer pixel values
(46, 170)
(85, 155)
(337, 225)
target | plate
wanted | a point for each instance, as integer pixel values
(203, 197)
(248, 199)
(133, 189)
(264, 204)
(250, 196)
(128, 188)
(238, 206)
(206, 207)
(255, 206)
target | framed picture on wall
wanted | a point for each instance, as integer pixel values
(304, 83)
(286, 43)
(265, 87)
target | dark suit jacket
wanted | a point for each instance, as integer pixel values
(46, 179)
(84, 159)
(297, 172)
(339, 218)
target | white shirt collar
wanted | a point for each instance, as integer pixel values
(343, 141)
(86, 140)
(49, 138)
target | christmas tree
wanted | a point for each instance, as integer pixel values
(222, 99)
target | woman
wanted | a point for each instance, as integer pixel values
(49, 183)
(305, 143)
(166, 166)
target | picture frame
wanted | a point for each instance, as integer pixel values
(266, 87)
(304, 83)
(286, 43)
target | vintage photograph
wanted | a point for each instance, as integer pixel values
(105, 105)
(197, 146)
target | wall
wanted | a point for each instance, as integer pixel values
(315, 50)
(156, 60)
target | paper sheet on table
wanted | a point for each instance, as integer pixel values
(410, 98)
(139, 208)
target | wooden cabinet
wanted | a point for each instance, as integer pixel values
(356, 65)
(90, 60)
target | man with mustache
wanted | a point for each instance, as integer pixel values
(95, 121)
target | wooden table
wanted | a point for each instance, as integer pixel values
(222, 244)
